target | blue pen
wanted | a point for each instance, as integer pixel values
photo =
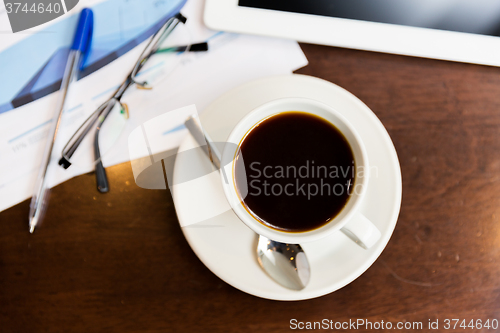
(76, 57)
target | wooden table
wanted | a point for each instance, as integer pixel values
(119, 262)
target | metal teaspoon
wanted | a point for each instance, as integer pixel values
(287, 264)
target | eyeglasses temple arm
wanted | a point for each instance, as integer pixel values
(155, 41)
(198, 47)
(100, 173)
(78, 137)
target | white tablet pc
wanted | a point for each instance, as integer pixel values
(458, 30)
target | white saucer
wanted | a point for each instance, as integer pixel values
(228, 248)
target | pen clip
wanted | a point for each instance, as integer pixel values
(83, 35)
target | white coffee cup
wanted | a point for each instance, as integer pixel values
(350, 220)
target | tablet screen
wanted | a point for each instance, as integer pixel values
(470, 16)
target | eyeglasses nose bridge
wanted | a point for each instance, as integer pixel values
(125, 110)
(143, 86)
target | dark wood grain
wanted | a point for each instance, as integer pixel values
(119, 262)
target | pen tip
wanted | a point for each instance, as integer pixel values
(32, 224)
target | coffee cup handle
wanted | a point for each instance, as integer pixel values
(362, 231)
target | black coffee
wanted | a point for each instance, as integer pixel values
(299, 170)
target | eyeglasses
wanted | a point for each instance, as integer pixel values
(108, 121)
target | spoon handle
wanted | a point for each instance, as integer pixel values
(279, 260)
(202, 138)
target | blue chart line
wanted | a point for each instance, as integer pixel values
(150, 68)
(215, 35)
(29, 131)
(175, 129)
(113, 88)
(105, 92)
(74, 108)
(41, 125)
(35, 65)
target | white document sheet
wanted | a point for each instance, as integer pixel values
(232, 60)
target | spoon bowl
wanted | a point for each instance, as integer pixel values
(286, 263)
